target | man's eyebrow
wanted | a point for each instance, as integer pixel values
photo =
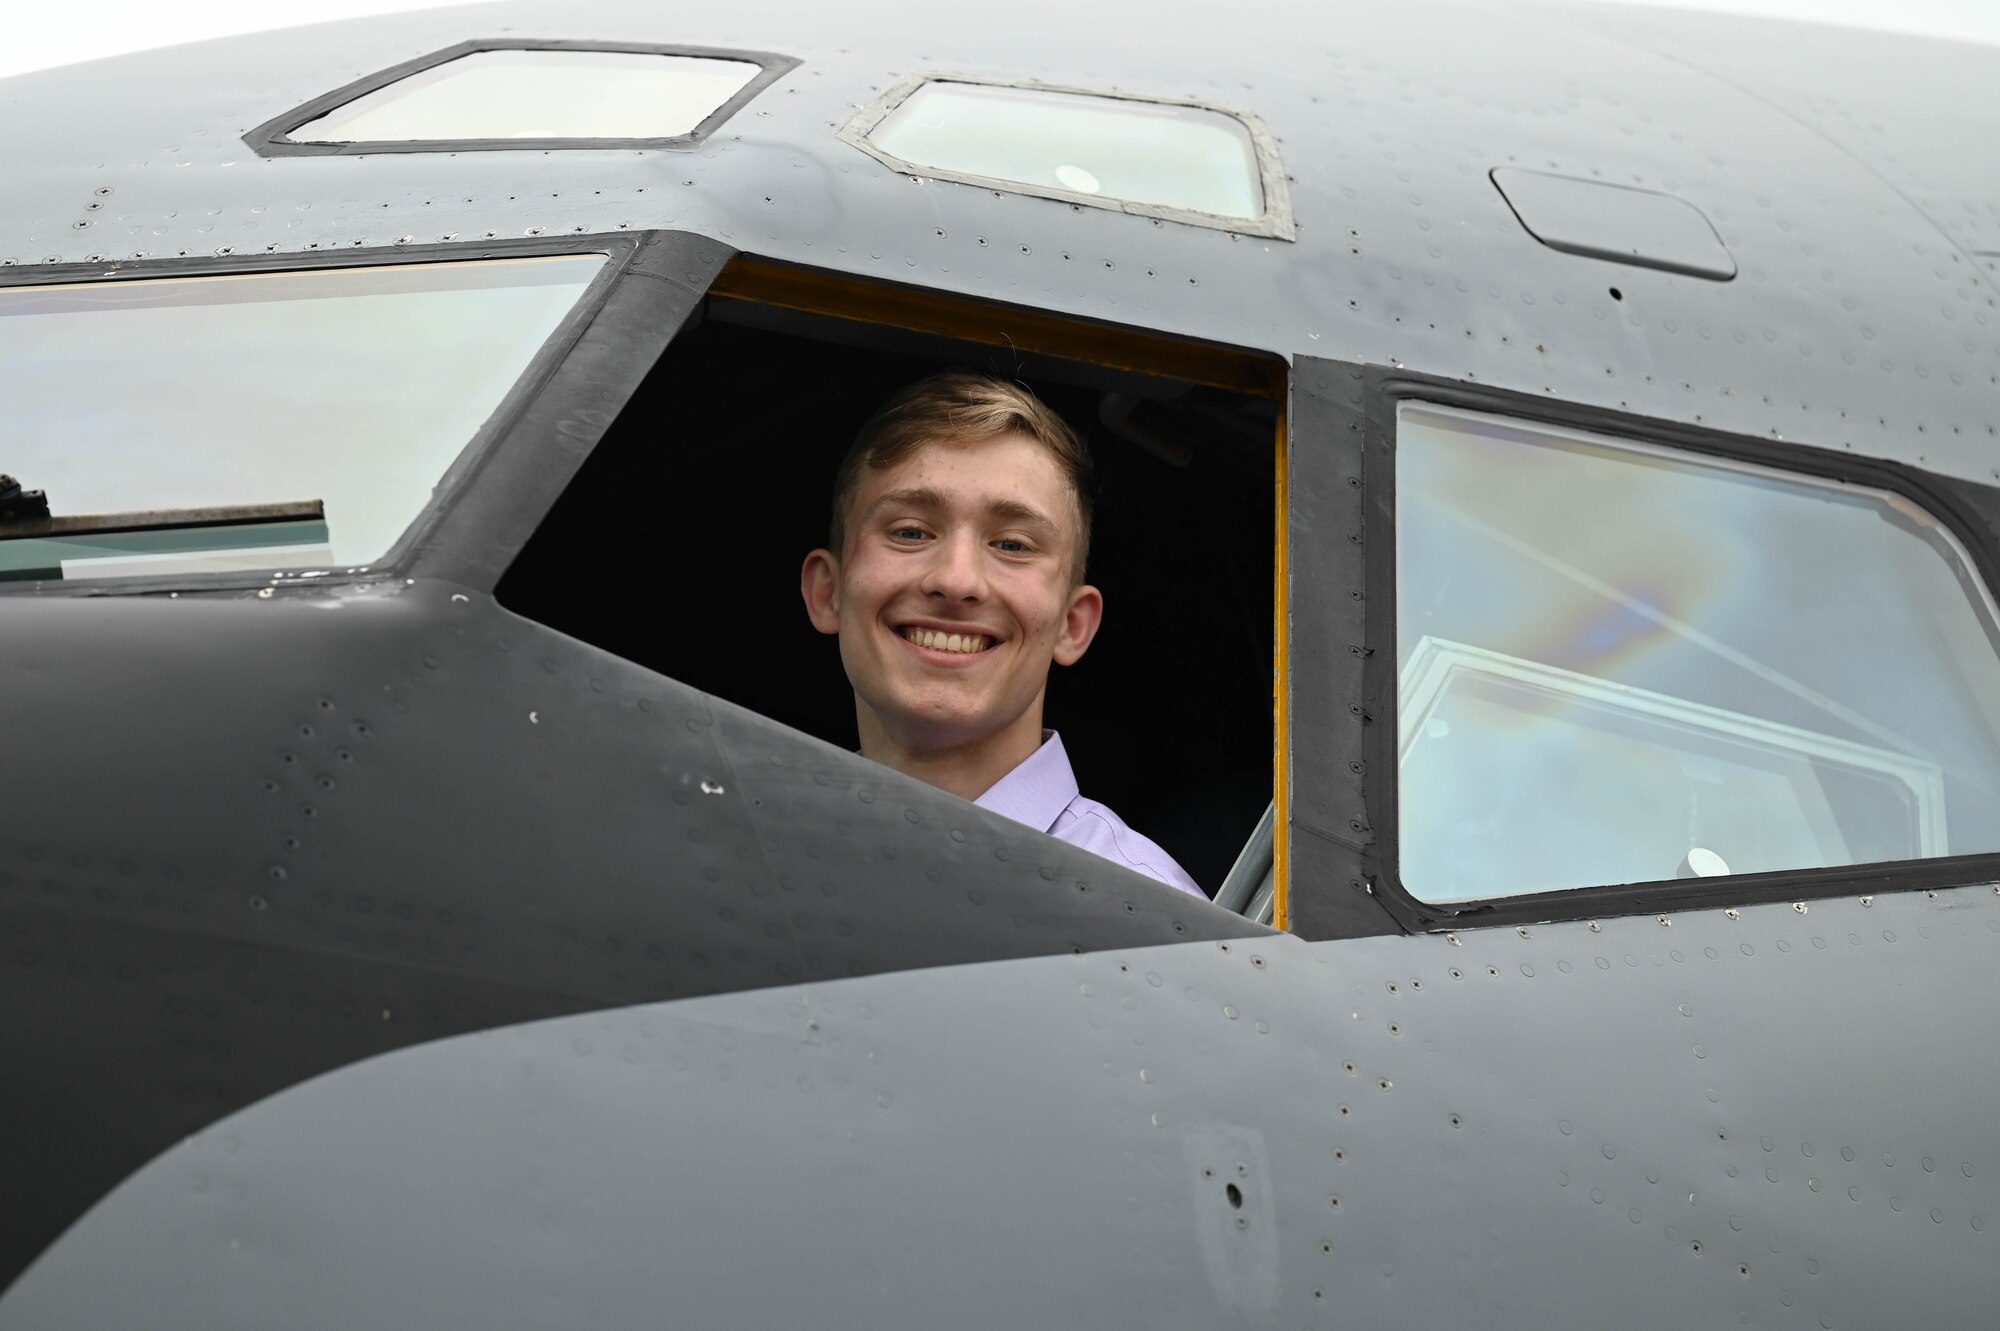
(1020, 512)
(925, 497)
(919, 497)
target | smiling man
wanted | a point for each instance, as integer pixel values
(961, 526)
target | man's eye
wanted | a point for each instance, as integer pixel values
(909, 533)
(1009, 545)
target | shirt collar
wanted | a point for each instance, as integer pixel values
(1038, 790)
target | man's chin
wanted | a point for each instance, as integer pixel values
(946, 723)
(947, 730)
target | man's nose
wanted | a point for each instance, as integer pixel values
(956, 570)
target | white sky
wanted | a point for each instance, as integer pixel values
(46, 35)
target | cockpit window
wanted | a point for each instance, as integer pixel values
(255, 420)
(539, 94)
(516, 94)
(1161, 158)
(1620, 663)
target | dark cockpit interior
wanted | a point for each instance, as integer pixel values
(704, 497)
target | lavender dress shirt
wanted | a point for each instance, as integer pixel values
(1042, 792)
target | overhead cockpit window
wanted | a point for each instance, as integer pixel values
(519, 95)
(539, 95)
(256, 420)
(1157, 157)
(1622, 664)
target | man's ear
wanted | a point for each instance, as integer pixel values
(819, 584)
(1086, 612)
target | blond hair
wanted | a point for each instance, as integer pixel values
(962, 407)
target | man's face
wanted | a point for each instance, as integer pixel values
(954, 592)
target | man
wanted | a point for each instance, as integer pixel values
(961, 525)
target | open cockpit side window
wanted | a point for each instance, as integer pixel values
(703, 498)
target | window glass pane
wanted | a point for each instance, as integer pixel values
(539, 95)
(355, 387)
(1624, 664)
(1146, 152)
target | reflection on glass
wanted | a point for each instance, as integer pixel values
(356, 387)
(189, 546)
(1184, 157)
(539, 95)
(1621, 664)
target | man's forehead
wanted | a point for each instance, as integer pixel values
(1010, 467)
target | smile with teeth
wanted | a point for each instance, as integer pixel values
(947, 642)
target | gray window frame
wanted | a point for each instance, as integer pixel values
(509, 473)
(1275, 222)
(273, 137)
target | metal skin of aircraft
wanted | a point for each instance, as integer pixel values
(374, 952)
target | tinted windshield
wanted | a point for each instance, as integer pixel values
(356, 387)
